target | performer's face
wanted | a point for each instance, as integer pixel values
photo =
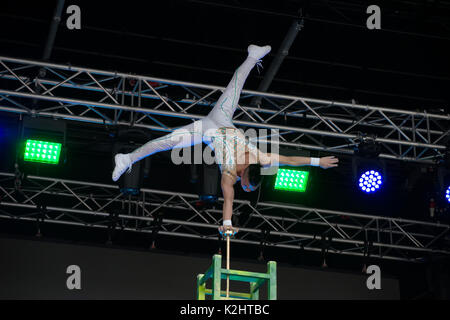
(245, 182)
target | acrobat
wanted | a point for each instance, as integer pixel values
(238, 159)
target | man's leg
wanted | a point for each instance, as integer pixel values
(223, 111)
(180, 138)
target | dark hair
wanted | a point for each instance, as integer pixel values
(254, 174)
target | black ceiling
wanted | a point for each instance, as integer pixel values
(334, 56)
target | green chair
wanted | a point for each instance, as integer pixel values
(255, 279)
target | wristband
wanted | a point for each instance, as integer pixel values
(315, 162)
(227, 222)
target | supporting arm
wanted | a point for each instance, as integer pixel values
(228, 196)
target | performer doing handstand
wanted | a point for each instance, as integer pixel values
(238, 159)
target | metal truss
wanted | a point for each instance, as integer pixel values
(113, 98)
(278, 225)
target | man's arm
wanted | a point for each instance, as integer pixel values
(273, 159)
(228, 197)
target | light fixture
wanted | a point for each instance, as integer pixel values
(42, 144)
(42, 151)
(368, 147)
(370, 181)
(209, 183)
(291, 180)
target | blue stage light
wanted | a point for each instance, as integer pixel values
(447, 194)
(371, 181)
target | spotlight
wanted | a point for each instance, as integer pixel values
(209, 183)
(370, 181)
(368, 147)
(446, 159)
(42, 151)
(443, 176)
(291, 180)
(42, 143)
(368, 170)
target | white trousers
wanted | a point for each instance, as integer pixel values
(201, 130)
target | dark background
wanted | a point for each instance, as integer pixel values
(404, 65)
(334, 57)
(37, 270)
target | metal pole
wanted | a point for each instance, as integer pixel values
(196, 116)
(228, 234)
(53, 29)
(251, 92)
(238, 201)
(186, 235)
(283, 51)
(270, 217)
(207, 225)
(156, 128)
(274, 113)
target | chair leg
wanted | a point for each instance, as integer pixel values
(217, 266)
(255, 294)
(200, 288)
(272, 284)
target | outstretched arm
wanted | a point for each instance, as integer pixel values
(272, 159)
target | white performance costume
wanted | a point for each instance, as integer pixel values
(216, 129)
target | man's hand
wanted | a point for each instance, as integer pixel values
(223, 229)
(328, 162)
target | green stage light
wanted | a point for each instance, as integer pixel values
(291, 180)
(42, 151)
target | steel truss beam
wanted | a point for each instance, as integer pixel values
(289, 226)
(113, 98)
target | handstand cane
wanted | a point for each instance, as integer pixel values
(228, 235)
